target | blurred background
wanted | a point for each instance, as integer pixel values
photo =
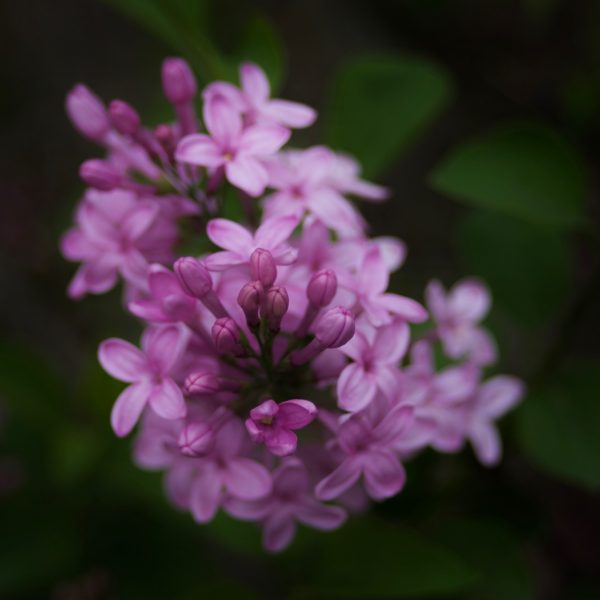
(484, 120)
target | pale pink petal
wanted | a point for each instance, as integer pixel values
(295, 414)
(221, 261)
(340, 480)
(247, 479)
(435, 296)
(292, 114)
(164, 346)
(166, 400)
(128, 408)
(137, 222)
(248, 510)
(206, 495)
(456, 384)
(384, 475)
(263, 139)
(162, 282)
(75, 246)
(375, 311)
(248, 174)
(469, 300)
(281, 442)
(498, 395)
(285, 255)
(148, 310)
(373, 272)
(357, 348)
(482, 348)
(230, 236)
(291, 478)
(223, 121)
(404, 307)
(199, 149)
(122, 360)
(100, 275)
(227, 90)
(134, 268)
(320, 516)
(254, 83)
(355, 388)
(393, 252)
(337, 213)
(278, 532)
(395, 424)
(178, 483)
(486, 443)
(275, 231)
(391, 342)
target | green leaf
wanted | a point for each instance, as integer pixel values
(525, 170)
(373, 559)
(494, 551)
(527, 268)
(381, 104)
(558, 425)
(263, 45)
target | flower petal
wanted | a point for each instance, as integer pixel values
(122, 360)
(166, 400)
(355, 388)
(254, 83)
(296, 414)
(340, 480)
(320, 516)
(246, 173)
(165, 345)
(486, 443)
(278, 532)
(291, 114)
(247, 479)
(404, 307)
(391, 342)
(230, 236)
(281, 442)
(498, 395)
(469, 300)
(223, 121)
(263, 139)
(206, 494)
(199, 149)
(128, 408)
(273, 232)
(384, 474)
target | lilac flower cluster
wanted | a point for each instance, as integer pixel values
(275, 373)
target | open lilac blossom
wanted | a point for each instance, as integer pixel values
(279, 378)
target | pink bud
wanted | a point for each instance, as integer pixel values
(179, 83)
(100, 174)
(262, 267)
(202, 382)
(124, 117)
(249, 299)
(226, 335)
(322, 287)
(335, 327)
(276, 305)
(87, 112)
(193, 276)
(195, 439)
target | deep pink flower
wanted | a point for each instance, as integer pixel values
(240, 244)
(376, 355)
(273, 424)
(148, 372)
(232, 147)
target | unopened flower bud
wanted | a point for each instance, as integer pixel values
(249, 299)
(226, 335)
(276, 305)
(124, 117)
(322, 287)
(202, 382)
(178, 81)
(100, 174)
(335, 327)
(87, 112)
(193, 276)
(195, 439)
(262, 267)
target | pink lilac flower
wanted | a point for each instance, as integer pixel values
(375, 355)
(457, 315)
(294, 302)
(148, 372)
(229, 145)
(239, 243)
(290, 501)
(274, 423)
(254, 100)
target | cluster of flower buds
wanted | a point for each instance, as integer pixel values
(276, 378)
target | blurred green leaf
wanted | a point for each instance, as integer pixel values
(528, 268)
(381, 104)
(372, 559)
(181, 24)
(494, 551)
(558, 425)
(263, 45)
(522, 169)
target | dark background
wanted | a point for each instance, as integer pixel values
(78, 521)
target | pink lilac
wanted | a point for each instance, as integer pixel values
(291, 301)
